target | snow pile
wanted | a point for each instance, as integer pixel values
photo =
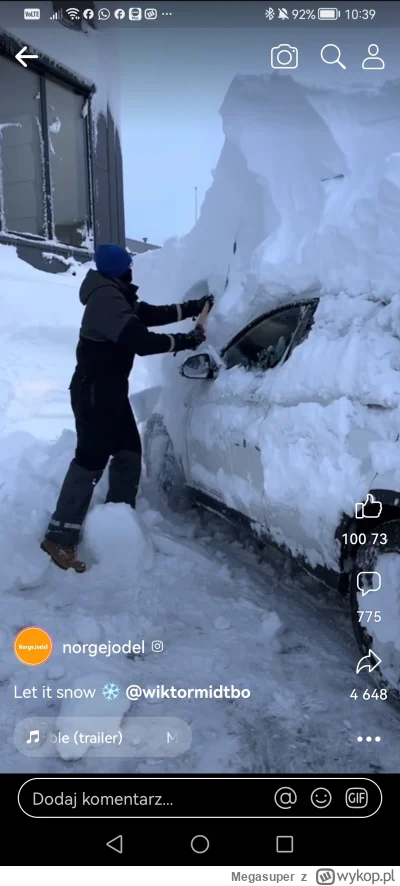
(216, 611)
(39, 320)
(314, 204)
(308, 188)
(145, 582)
(40, 315)
(136, 553)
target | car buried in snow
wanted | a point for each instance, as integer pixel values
(282, 432)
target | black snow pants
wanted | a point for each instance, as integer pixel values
(105, 428)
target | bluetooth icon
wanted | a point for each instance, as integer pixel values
(269, 13)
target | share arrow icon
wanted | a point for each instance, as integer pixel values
(370, 661)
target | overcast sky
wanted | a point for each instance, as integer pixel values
(173, 84)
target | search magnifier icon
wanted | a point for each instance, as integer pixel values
(332, 61)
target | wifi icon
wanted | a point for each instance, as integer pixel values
(73, 14)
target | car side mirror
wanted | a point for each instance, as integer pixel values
(199, 366)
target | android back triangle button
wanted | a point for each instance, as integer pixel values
(116, 844)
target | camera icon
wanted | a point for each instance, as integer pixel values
(285, 56)
(157, 646)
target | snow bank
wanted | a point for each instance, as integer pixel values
(40, 315)
(308, 188)
(39, 322)
(308, 185)
(136, 554)
(142, 585)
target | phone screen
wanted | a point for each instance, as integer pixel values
(199, 424)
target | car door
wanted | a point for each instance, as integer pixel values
(225, 419)
(259, 349)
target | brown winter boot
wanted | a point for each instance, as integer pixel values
(63, 555)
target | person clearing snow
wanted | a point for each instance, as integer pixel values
(113, 330)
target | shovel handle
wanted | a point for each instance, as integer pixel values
(202, 318)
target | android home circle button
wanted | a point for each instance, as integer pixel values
(199, 844)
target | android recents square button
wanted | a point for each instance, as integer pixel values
(284, 844)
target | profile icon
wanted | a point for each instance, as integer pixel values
(373, 62)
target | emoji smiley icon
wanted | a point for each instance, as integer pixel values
(321, 798)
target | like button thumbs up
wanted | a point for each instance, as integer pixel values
(371, 508)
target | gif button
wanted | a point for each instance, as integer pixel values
(356, 798)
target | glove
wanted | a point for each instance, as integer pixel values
(194, 308)
(189, 341)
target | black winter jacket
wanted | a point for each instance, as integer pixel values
(114, 327)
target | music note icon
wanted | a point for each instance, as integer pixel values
(33, 735)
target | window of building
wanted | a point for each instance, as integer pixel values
(21, 159)
(68, 163)
(44, 157)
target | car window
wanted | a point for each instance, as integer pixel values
(263, 346)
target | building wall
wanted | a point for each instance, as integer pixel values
(100, 167)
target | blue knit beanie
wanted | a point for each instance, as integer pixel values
(112, 260)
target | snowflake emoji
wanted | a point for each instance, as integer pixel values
(111, 691)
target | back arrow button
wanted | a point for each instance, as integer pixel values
(116, 844)
(21, 57)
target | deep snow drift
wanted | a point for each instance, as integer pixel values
(223, 617)
(315, 209)
(298, 224)
(188, 583)
(155, 577)
(40, 316)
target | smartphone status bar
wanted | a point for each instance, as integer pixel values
(206, 13)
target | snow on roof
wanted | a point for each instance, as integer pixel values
(307, 186)
(90, 54)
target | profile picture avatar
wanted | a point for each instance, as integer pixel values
(284, 56)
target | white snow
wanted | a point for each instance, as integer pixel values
(135, 550)
(55, 126)
(224, 617)
(300, 232)
(40, 316)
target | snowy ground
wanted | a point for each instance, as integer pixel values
(225, 615)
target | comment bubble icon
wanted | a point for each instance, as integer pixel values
(368, 582)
